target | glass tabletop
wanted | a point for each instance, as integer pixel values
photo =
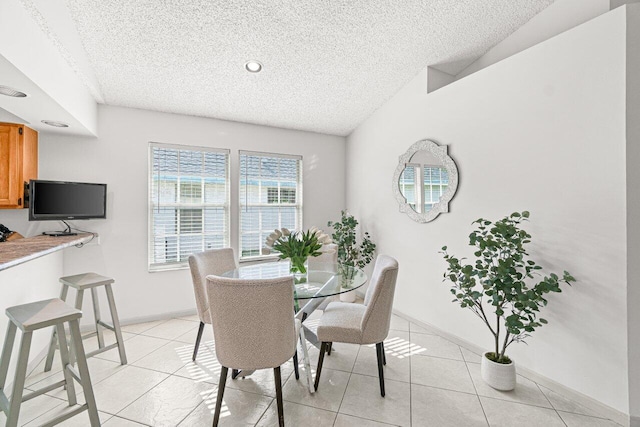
(322, 281)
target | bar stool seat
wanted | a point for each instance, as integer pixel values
(38, 315)
(91, 281)
(29, 318)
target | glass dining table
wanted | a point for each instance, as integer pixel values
(322, 280)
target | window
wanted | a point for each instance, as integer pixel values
(270, 197)
(407, 184)
(436, 181)
(188, 203)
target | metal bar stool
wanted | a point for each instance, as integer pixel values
(91, 281)
(31, 317)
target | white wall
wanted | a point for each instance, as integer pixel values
(33, 281)
(560, 16)
(119, 157)
(633, 208)
(544, 131)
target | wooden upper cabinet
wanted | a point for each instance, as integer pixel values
(18, 163)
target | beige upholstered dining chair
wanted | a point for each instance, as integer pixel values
(327, 259)
(202, 264)
(254, 328)
(362, 324)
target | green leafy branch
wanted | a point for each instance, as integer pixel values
(350, 253)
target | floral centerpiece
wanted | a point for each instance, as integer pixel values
(297, 246)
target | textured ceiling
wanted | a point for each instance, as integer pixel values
(327, 64)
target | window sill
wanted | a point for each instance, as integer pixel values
(185, 265)
(259, 259)
(169, 267)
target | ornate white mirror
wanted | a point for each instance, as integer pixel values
(425, 181)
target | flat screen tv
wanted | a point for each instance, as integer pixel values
(58, 200)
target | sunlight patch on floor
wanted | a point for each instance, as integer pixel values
(400, 348)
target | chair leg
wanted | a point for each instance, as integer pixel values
(329, 349)
(195, 350)
(72, 353)
(97, 317)
(323, 348)
(48, 364)
(276, 374)
(54, 340)
(295, 365)
(7, 349)
(380, 354)
(83, 370)
(64, 358)
(234, 373)
(384, 355)
(116, 324)
(18, 385)
(221, 384)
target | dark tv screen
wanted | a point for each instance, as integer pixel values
(57, 200)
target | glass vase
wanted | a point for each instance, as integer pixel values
(347, 274)
(299, 268)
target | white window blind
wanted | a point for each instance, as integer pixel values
(270, 197)
(188, 203)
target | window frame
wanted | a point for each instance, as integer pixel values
(180, 265)
(299, 199)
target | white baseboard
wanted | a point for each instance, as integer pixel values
(605, 411)
(153, 318)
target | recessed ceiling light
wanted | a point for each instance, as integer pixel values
(253, 66)
(55, 124)
(8, 91)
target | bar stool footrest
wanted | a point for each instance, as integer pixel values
(74, 374)
(43, 390)
(102, 350)
(66, 415)
(106, 325)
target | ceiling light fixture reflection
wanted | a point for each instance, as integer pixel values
(55, 124)
(253, 66)
(9, 91)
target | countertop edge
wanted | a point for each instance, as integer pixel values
(19, 244)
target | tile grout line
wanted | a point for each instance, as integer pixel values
(273, 401)
(348, 381)
(345, 392)
(466, 364)
(129, 419)
(410, 383)
(138, 398)
(567, 411)
(550, 403)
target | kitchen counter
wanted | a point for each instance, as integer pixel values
(16, 252)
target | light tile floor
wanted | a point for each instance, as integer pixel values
(429, 382)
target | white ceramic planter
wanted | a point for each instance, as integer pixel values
(498, 375)
(348, 296)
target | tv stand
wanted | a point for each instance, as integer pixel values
(66, 232)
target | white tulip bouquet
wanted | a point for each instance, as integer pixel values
(297, 246)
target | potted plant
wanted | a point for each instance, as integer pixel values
(495, 288)
(351, 254)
